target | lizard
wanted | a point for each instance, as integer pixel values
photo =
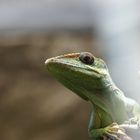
(88, 77)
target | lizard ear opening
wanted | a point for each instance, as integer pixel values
(86, 58)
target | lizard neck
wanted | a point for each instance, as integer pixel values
(109, 99)
(103, 95)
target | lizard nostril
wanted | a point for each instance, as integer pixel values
(86, 58)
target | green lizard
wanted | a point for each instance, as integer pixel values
(88, 77)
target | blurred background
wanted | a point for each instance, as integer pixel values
(33, 105)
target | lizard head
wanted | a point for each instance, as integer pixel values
(80, 72)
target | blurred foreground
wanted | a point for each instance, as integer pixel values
(33, 105)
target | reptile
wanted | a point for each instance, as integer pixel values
(88, 77)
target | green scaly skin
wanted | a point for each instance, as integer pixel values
(93, 83)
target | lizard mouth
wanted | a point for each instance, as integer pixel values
(65, 64)
(55, 66)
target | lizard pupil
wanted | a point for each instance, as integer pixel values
(86, 58)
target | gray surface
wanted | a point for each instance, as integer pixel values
(119, 33)
(34, 14)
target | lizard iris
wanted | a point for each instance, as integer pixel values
(86, 58)
(88, 77)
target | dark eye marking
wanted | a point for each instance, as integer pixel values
(86, 58)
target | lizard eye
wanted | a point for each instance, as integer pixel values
(86, 58)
